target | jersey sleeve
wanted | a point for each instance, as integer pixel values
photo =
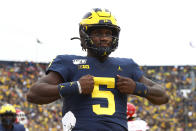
(18, 127)
(137, 73)
(60, 66)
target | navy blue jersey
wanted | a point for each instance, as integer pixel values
(106, 103)
(16, 127)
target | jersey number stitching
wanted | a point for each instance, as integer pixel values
(110, 83)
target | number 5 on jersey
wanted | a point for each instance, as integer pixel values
(97, 93)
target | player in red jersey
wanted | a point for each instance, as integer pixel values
(133, 123)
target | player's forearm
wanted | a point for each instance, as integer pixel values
(156, 95)
(44, 90)
(43, 93)
(41, 100)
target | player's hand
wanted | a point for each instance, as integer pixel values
(87, 84)
(125, 85)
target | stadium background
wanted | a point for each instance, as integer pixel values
(178, 115)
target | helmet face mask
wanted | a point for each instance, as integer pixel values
(8, 119)
(98, 19)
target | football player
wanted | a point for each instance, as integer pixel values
(133, 123)
(94, 88)
(21, 118)
(8, 118)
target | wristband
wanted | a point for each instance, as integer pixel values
(68, 88)
(79, 87)
(140, 90)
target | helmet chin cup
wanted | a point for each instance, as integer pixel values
(101, 51)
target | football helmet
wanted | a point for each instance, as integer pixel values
(21, 117)
(8, 114)
(98, 18)
(131, 110)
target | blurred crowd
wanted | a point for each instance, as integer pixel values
(15, 80)
(178, 115)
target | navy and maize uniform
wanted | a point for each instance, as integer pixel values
(105, 109)
(16, 127)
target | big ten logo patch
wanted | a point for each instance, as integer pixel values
(83, 67)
